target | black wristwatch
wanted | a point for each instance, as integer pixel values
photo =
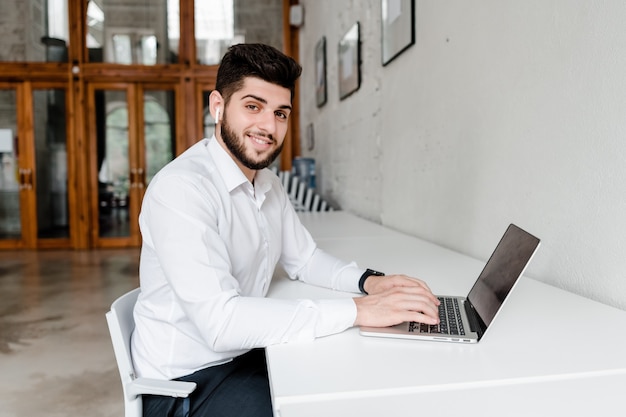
(366, 274)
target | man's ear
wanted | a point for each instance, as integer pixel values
(216, 105)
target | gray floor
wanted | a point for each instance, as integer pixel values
(56, 357)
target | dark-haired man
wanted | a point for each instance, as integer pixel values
(215, 223)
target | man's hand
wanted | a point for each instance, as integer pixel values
(394, 299)
(375, 284)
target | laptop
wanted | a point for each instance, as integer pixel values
(466, 319)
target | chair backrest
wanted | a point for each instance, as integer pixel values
(121, 325)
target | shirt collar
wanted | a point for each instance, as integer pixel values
(231, 174)
(263, 181)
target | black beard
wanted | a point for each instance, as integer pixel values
(238, 150)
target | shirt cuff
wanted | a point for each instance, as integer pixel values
(348, 279)
(335, 316)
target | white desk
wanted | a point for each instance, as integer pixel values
(534, 359)
(341, 224)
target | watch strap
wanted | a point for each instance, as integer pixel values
(368, 272)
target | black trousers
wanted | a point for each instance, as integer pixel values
(239, 388)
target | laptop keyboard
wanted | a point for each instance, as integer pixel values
(449, 319)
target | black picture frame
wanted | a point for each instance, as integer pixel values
(321, 94)
(398, 28)
(349, 54)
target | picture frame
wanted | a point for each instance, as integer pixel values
(321, 95)
(349, 52)
(398, 28)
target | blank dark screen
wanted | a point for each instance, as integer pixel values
(506, 265)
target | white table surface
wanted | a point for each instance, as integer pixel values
(546, 343)
(340, 224)
(581, 396)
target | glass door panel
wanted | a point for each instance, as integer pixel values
(51, 163)
(34, 31)
(10, 173)
(214, 30)
(222, 23)
(135, 131)
(159, 131)
(113, 164)
(133, 31)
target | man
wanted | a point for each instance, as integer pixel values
(215, 223)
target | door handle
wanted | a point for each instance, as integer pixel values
(26, 179)
(133, 178)
(141, 178)
(137, 178)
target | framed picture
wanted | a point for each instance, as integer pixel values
(349, 62)
(398, 27)
(320, 72)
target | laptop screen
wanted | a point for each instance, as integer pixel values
(506, 265)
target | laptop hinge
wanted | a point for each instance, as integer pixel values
(476, 324)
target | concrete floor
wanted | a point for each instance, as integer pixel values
(56, 357)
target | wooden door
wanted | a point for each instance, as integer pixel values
(132, 130)
(35, 168)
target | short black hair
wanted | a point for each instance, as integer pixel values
(255, 60)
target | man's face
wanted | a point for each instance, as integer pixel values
(254, 124)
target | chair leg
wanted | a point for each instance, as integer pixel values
(186, 407)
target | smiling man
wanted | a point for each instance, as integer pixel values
(215, 223)
(262, 111)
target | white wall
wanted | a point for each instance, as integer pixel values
(502, 111)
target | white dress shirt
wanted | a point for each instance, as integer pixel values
(211, 241)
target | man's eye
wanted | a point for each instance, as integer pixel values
(281, 115)
(252, 107)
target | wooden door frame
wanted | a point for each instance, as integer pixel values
(291, 47)
(92, 145)
(136, 158)
(27, 165)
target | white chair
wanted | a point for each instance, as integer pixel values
(292, 191)
(301, 196)
(308, 199)
(121, 324)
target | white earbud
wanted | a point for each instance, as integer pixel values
(217, 115)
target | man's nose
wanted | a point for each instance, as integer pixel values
(267, 122)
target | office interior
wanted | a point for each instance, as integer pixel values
(493, 113)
